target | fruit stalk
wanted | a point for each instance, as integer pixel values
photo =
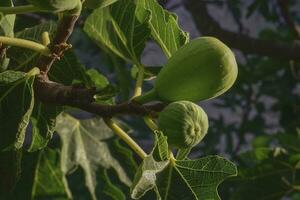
(26, 44)
(139, 82)
(18, 9)
(147, 97)
(150, 123)
(126, 138)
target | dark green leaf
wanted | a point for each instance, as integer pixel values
(41, 177)
(93, 4)
(10, 169)
(43, 121)
(7, 23)
(164, 27)
(122, 28)
(65, 71)
(269, 176)
(16, 105)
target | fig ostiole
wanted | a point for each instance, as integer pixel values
(202, 69)
(184, 123)
(57, 6)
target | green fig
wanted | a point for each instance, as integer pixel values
(202, 69)
(56, 5)
(98, 3)
(184, 123)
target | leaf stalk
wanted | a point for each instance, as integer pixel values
(126, 138)
(139, 82)
(18, 10)
(26, 44)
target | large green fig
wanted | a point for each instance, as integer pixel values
(55, 5)
(184, 123)
(98, 3)
(202, 69)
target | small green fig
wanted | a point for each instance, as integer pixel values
(184, 123)
(98, 3)
(202, 69)
(55, 5)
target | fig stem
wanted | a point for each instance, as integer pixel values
(147, 97)
(172, 158)
(25, 44)
(18, 9)
(150, 123)
(33, 72)
(139, 82)
(125, 137)
(45, 38)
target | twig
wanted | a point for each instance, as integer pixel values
(82, 98)
(58, 46)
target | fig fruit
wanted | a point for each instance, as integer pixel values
(55, 5)
(202, 69)
(184, 123)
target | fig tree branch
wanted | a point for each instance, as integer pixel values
(59, 44)
(208, 26)
(55, 93)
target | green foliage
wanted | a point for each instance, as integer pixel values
(10, 171)
(87, 160)
(55, 5)
(98, 3)
(164, 27)
(110, 28)
(14, 119)
(269, 173)
(85, 146)
(6, 29)
(179, 179)
(50, 151)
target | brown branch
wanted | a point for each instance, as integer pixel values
(58, 46)
(284, 9)
(54, 93)
(50, 92)
(208, 26)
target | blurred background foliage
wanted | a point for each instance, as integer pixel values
(256, 123)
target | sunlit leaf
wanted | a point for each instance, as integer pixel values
(164, 27)
(84, 144)
(194, 179)
(145, 178)
(121, 27)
